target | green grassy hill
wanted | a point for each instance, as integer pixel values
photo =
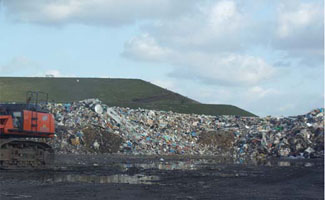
(131, 93)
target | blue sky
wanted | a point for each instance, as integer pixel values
(263, 56)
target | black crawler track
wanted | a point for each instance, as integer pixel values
(22, 154)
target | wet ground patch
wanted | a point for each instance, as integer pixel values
(149, 177)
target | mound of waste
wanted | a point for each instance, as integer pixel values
(89, 126)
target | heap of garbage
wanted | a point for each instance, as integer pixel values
(89, 126)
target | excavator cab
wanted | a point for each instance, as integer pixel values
(27, 120)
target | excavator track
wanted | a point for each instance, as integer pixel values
(24, 154)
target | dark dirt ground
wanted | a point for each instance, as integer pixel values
(151, 177)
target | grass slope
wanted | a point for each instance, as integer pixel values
(132, 93)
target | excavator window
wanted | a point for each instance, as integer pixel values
(17, 119)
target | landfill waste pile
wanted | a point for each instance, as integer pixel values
(89, 126)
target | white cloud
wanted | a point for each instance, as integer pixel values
(204, 29)
(222, 68)
(145, 47)
(55, 11)
(228, 69)
(224, 15)
(92, 12)
(293, 18)
(203, 45)
(300, 31)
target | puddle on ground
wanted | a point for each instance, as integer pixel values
(289, 164)
(176, 165)
(117, 178)
(203, 163)
(15, 196)
(284, 164)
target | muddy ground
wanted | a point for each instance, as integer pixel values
(151, 177)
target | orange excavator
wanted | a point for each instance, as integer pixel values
(19, 124)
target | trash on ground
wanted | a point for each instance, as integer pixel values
(89, 126)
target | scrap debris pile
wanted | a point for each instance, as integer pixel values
(89, 126)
